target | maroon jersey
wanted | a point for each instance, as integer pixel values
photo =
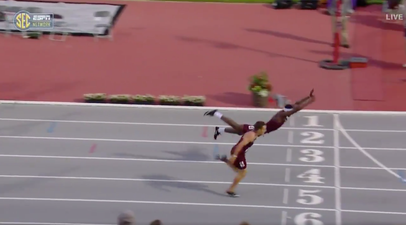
(240, 162)
(275, 123)
(246, 128)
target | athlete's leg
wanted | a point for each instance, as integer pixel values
(236, 126)
(239, 166)
(240, 175)
(229, 130)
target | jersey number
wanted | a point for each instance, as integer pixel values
(242, 164)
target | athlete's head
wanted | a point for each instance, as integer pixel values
(260, 127)
(288, 107)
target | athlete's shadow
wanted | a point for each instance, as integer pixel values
(192, 154)
(164, 183)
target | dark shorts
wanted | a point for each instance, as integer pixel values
(240, 162)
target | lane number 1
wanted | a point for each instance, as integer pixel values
(312, 121)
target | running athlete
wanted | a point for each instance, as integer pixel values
(273, 124)
(237, 161)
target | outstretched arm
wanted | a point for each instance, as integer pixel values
(301, 104)
(301, 101)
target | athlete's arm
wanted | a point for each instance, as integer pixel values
(247, 138)
(297, 108)
(303, 103)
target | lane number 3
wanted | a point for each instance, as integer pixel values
(312, 156)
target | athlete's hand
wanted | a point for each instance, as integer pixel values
(311, 92)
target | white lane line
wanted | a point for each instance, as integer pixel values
(368, 168)
(337, 176)
(161, 203)
(284, 218)
(285, 196)
(184, 142)
(74, 105)
(150, 160)
(151, 141)
(193, 204)
(115, 179)
(292, 121)
(289, 155)
(287, 175)
(362, 150)
(181, 161)
(187, 125)
(41, 223)
(290, 137)
(153, 180)
(139, 123)
(373, 212)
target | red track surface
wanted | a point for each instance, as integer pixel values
(210, 49)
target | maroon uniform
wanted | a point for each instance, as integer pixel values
(274, 123)
(246, 128)
(240, 162)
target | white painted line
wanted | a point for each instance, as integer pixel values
(368, 168)
(292, 121)
(192, 204)
(115, 179)
(180, 161)
(376, 149)
(374, 212)
(337, 176)
(289, 155)
(41, 223)
(161, 203)
(376, 131)
(285, 196)
(373, 189)
(291, 127)
(362, 150)
(290, 137)
(184, 142)
(139, 123)
(151, 141)
(153, 180)
(152, 160)
(75, 104)
(287, 175)
(284, 217)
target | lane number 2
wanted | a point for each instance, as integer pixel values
(312, 176)
(308, 197)
(312, 121)
(312, 156)
(312, 137)
(308, 219)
